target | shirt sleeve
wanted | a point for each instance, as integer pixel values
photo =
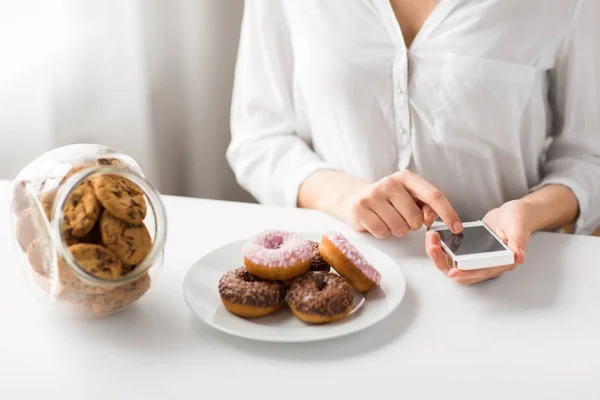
(267, 156)
(573, 158)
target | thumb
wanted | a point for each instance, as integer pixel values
(517, 239)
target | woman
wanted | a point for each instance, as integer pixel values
(389, 113)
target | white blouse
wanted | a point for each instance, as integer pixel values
(492, 100)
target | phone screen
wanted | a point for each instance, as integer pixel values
(473, 240)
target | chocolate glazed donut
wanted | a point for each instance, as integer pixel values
(248, 296)
(320, 297)
(317, 262)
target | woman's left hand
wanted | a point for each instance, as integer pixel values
(511, 222)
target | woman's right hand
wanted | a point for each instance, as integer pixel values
(398, 204)
(395, 205)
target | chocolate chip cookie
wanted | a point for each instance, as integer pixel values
(130, 242)
(93, 236)
(137, 289)
(121, 297)
(80, 211)
(110, 302)
(96, 260)
(68, 281)
(121, 197)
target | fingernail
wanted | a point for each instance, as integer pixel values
(435, 255)
(522, 252)
(457, 226)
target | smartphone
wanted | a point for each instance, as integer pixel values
(475, 248)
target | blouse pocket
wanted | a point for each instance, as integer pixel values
(481, 104)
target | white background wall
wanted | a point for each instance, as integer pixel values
(152, 78)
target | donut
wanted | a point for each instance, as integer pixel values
(249, 296)
(318, 297)
(348, 261)
(317, 263)
(277, 255)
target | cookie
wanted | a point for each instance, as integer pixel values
(131, 243)
(29, 226)
(96, 260)
(77, 298)
(21, 197)
(137, 288)
(69, 281)
(110, 302)
(317, 263)
(39, 256)
(80, 211)
(122, 296)
(121, 197)
(47, 201)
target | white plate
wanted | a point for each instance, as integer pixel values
(202, 297)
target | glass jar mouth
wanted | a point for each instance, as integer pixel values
(155, 203)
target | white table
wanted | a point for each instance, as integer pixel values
(534, 333)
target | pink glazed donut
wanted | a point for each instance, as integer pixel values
(348, 261)
(277, 255)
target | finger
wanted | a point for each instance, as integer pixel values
(469, 281)
(517, 242)
(474, 281)
(372, 222)
(434, 238)
(436, 253)
(439, 258)
(406, 206)
(429, 194)
(479, 274)
(467, 278)
(391, 218)
(476, 274)
(429, 215)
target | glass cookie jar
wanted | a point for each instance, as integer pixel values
(89, 230)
